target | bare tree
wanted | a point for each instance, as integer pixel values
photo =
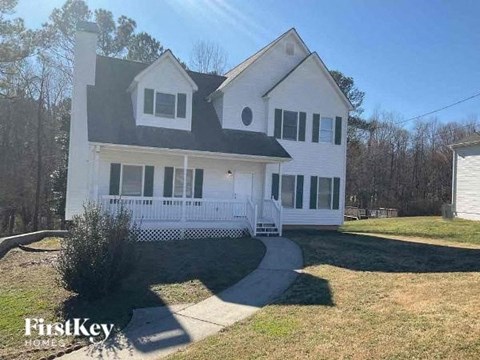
(208, 57)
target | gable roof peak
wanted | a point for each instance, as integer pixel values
(233, 73)
(167, 54)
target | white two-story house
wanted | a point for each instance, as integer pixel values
(199, 155)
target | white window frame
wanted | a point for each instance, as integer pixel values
(331, 192)
(121, 178)
(155, 91)
(173, 182)
(294, 191)
(174, 105)
(298, 125)
(332, 131)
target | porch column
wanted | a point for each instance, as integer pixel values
(280, 228)
(96, 165)
(184, 191)
(280, 183)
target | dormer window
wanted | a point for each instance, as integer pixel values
(163, 104)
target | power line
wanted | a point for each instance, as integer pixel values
(435, 111)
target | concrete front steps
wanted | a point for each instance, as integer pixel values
(267, 228)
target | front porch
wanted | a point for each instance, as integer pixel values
(172, 218)
(173, 195)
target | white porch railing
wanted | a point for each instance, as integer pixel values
(272, 211)
(179, 209)
(252, 217)
(208, 210)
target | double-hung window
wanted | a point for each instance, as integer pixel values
(290, 125)
(163, 104)
(132, 180)
(324, 194)
(178, 183)
(288, 191)
(326, 130)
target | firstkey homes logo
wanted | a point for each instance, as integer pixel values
(36, 328)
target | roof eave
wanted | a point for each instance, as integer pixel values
(464, 144)
(211, 154)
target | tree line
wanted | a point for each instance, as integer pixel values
(388, 165)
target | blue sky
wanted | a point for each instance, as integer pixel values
(409, 57)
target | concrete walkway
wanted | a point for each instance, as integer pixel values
(157, 332)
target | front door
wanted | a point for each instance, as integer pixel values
(243, 186)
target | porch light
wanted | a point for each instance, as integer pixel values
(229, 173)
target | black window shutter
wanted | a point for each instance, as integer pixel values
(198, 187)
(148, 101)
(181, 105)
(148, 181)
(315, 127)
(299, 193)
(338, 130)
(336, 193)
(313, 192)
(277, 132)
(301, 126)
(275, 186)
(168, 182)
(114, 179)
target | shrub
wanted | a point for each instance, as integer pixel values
(97, 252)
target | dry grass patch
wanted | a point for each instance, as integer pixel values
(166, 273)
(365, 298)
(433, 227)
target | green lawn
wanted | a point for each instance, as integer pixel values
(427, 226)
(364, 297)
(171, 272)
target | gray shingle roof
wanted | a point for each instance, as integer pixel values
(470, 139)
(110, 117)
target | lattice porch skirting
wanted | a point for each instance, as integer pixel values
(165, 234)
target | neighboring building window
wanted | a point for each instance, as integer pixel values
(247, 116)
(324, 193)
(178, 183)
(132, 180)
(290, 125)
(326, 130)
(288, 191)
(164, 105)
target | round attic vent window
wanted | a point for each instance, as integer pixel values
(247, 116)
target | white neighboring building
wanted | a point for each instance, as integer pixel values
(197, 155)
(466, 178)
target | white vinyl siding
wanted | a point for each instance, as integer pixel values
(467, 199)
